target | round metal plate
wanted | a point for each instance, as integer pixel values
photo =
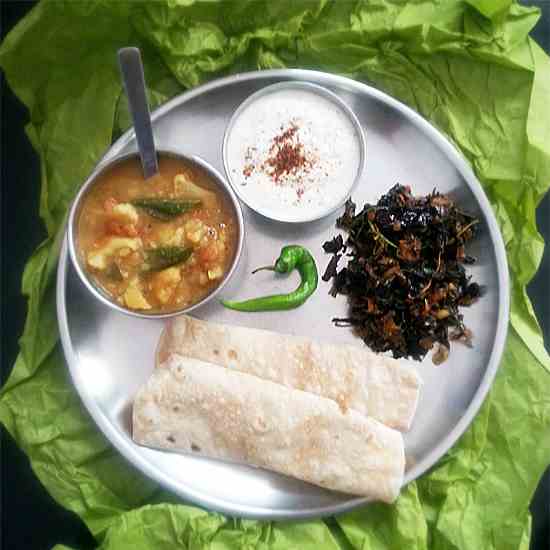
(110, 355)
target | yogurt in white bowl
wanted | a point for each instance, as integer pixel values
(294, 151)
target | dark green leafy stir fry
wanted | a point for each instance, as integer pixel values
(405, 277)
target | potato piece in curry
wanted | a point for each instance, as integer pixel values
(158, 245)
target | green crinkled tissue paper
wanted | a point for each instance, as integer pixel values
(474, 74)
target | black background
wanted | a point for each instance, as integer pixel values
(31, 520)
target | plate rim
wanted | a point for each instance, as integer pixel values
(126, 447)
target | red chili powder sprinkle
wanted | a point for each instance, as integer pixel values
(286, 156)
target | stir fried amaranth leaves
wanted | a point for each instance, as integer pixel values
(405, 278)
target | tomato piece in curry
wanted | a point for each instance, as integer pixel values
(156, 245)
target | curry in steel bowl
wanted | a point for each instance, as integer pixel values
(158, 245)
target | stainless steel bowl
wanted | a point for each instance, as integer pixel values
(326, 94)
(74, 215)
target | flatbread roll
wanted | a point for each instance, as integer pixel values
(196, 407)
(374, 385)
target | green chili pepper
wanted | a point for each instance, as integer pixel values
(157, 259)
(166, 209)
(291, 257)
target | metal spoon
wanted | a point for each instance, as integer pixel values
(131, 69)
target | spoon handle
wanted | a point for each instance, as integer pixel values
(131, 68)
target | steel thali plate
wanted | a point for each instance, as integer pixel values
(110, 355)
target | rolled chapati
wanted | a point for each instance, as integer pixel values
(196, 407)
(374, 385)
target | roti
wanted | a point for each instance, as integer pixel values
(195, 407)
(371, 384)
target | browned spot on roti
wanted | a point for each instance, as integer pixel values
(350, 383)
(232, 354)
(316, 449)
(163, 351)
(342, 402)
(307, 375)
(171, 439)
